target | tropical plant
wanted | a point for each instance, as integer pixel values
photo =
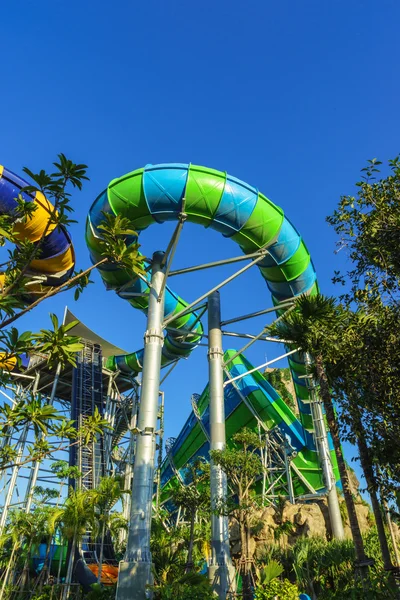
(325, 570)
(190, 586)
(243, 465)
(108, 492)
(269, 587)
(57, 346)
(314, 327)
(367, 223)
(77, 518)
(194, 498)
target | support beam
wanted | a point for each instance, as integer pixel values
(219, 263)
(135, 569)
(265, 311)
(220, 571)
(266, 364)
(191, 306)
(321, 440)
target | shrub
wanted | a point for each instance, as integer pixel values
(283, 590)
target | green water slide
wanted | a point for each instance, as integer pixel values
(211, 198)
(251, 402)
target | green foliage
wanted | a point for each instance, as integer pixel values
(269, 572)
(194, 495)
(116, 245)
(368, 228)
(277, 590)
(62, 470)
(191, 586)
(277, 378)
(78, 514)
(99, 592)
(57, 345)
(325, 570)
(92, 427)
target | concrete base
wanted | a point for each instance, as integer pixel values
(222, 579)
(133, 577)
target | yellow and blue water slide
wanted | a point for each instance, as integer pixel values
(55, 258)
(159, 193)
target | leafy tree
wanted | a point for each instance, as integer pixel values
(105, 497)
(357, 391)
(368, 226)
(78, 517)
(193, 497)
(311, 327)
(243, 465)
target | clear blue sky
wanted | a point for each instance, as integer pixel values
(290, 96)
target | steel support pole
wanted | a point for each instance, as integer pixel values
(321, 439)
(135, 569)
(220, 570)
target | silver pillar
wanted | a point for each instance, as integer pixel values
(221, 572)
(321, 439)
(135, 569)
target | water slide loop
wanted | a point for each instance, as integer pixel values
(211, 198)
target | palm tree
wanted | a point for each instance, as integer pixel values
(24, 530)
(77, 518)
(314, 327)
(53, 517)
(105, 497)
(193, 497)
(117, 524)
(14, 535)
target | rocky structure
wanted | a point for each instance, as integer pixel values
(285, 523)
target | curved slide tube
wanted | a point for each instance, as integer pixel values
(247, 401)
(213, 199)
(55, 258)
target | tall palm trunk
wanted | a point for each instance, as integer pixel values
(366, 465)
(103, 533)
(189, 564)
(348, 496)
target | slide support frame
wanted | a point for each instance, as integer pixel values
(135, 570)
(220, 570)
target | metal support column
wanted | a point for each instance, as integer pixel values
(135, 569)
(321, 439)
(220, 570)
